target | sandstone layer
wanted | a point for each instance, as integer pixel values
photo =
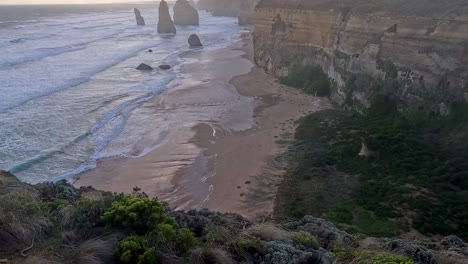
(415, 51)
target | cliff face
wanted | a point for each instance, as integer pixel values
(413, 50)
(243, 9)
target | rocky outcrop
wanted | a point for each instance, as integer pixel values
(185, 14)
(139, 19)
(165, 23)
(144, 67)
(164, 67)
(243, 9)
(194, 41)
(412, 50)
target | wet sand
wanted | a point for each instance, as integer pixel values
(217, 152)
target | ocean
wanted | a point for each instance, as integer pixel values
(69, 87)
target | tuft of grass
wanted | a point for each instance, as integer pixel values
(268, 232)
(24, 220)
(211, 256)
(306, 239)
(95, 251)
(368, 257)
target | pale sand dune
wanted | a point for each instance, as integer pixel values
(224, 132)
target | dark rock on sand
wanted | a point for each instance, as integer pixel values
(140, 20)
(164, 67)
(194, 41)
(185, 13)
(144, 67)
(150, 50)
(165, 24)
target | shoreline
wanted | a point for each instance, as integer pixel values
(221, 158)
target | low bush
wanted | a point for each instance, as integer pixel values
(368, 257)
(140, 215)
(306, 239)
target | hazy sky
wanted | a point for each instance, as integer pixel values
(32, 2)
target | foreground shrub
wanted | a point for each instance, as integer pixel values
(23, 220)
(140, 215)
(134, 249)
(306, 239)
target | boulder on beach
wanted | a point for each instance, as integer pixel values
(194, 41)
(165, 24)
(164, 67)
(144, 67)
(185, 13)
(140, 20)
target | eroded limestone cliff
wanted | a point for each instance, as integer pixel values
(413, 50)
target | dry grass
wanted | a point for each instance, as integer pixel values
(211, 256)
(96, 251)
(23, 221)
(38, 260)
(268, 232)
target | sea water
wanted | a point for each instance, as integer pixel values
(68, 83)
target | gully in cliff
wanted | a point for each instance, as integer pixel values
(185, 13)
(165, 24)
(140, 20)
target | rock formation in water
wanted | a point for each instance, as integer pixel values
(165, 24)
(412, 50)
(185, 13)
(194, 41)
(243, 9)
(144, 67)
(164, 67)
(139, 19)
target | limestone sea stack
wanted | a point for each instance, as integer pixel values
(144, 67)
(194, 41)
(185, 13)
(140, 20)
(165, 24)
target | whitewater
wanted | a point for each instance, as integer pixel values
(69, 87)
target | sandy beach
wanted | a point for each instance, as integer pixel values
(226, 121)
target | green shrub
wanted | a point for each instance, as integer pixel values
(249, 245)
(311, 79)
(86, 214)
(368, 257)
(149, 257)
(140, 215)
(134, 249)
(339, 216)
(186, 240)
(306, 239)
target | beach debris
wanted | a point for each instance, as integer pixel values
(140, 20)
(144, 67)
(150, 50)
(164, 67)
(194, 41)
(165, 24)
(185, 14)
